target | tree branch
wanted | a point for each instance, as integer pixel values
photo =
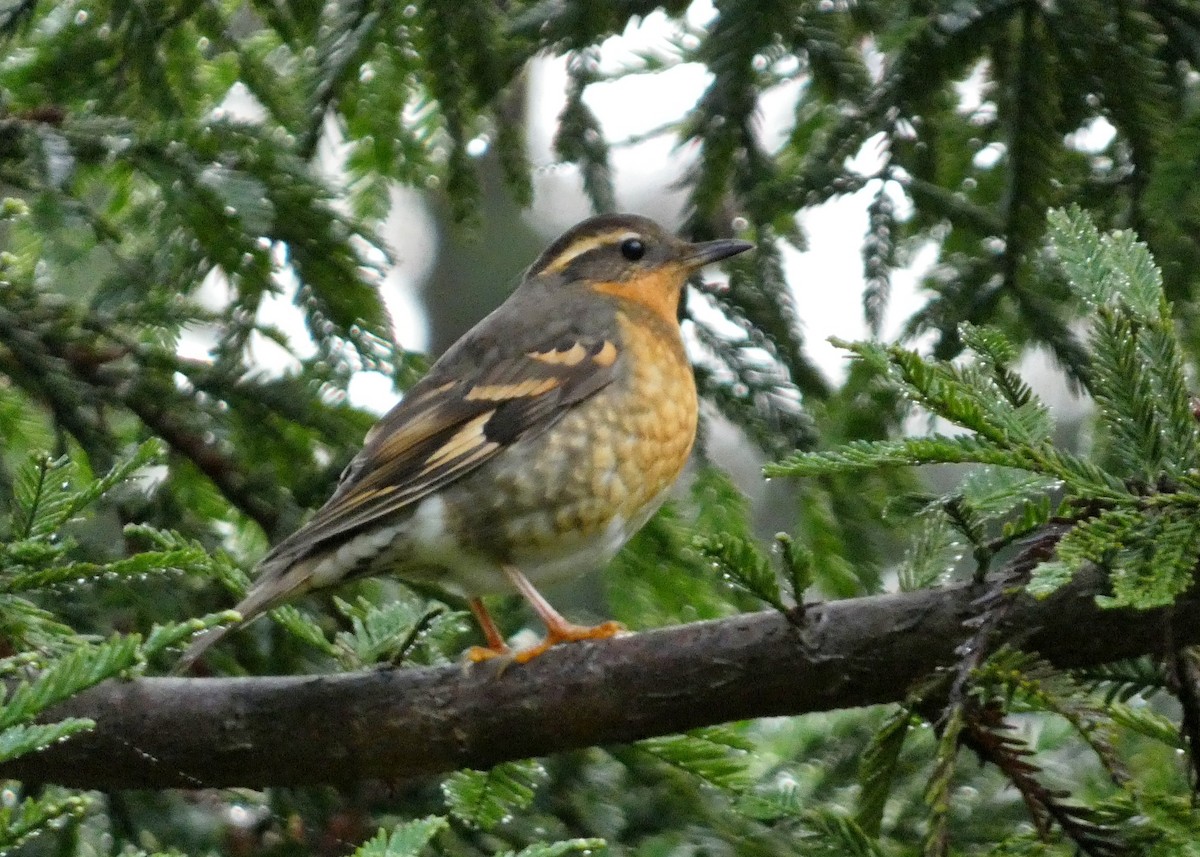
(394, 724)
(46, 377)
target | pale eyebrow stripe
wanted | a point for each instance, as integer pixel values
(583, 245)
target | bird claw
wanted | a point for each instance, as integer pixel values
(556, 636)
(479, 654)
(569, 634)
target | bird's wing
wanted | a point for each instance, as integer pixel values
(469, 408)
(450, 424)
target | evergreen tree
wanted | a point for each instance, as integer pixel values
(140, 484)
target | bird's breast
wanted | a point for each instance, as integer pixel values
(605, 464)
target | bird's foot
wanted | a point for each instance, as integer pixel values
(479, 654)
(568, 633)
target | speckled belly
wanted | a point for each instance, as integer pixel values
(567, 501)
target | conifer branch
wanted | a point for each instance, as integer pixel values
(167, 414)
(398, 724)
(24, 359)
(263, 504)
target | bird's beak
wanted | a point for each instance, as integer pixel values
(698, 255)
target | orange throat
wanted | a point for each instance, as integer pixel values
(658, 291)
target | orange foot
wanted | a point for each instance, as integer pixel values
(568, 633)
(479, 654)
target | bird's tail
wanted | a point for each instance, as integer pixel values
(202, 644)
(273, 587)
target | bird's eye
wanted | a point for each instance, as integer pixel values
(633, 249)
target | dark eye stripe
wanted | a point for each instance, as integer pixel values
(564, 253)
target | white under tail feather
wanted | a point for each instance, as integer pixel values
(272, 588)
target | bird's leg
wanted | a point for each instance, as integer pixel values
(495, 641)
(558, 629)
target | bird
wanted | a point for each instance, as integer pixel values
(530, 452)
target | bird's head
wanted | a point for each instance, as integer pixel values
(631, 258)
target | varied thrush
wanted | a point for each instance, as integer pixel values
(533, 449)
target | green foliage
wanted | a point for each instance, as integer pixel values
(68, 675)
(18, 740)
(840, 834)
(1124, 679)
(1139, 522)
(797, 566)
(879, 257)
(1137, 374)
(937, 792)
(556, 849)
(149, 217)
(487, 798)
(580, 139)
(51, 499)
(406, 840)
(1130, 512)
(34, 816)
(414, 837)
(384, 633)
(742, 564)
(932, 554)
(716, 754)
(1146, 722)
(878, 769)
(48, 495)
(303, 628)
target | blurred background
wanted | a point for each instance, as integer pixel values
(446, 278)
